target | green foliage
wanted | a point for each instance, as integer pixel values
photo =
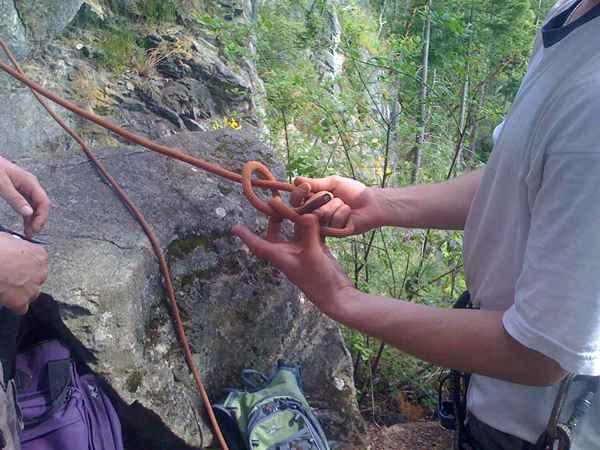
(343, 124)
(231, 37)
(118, 49)
(157, 12)
(116, 6)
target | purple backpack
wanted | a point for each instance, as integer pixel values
(61, 409)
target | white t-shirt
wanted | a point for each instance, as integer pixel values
(532, 238)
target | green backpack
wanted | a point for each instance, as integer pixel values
(270, 415)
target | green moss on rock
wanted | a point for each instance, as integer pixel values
(181, 248)
(134, 381)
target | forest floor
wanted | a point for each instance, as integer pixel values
(425, 435)
(396, 423)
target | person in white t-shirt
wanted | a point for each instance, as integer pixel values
(23, 270)
(531, 248)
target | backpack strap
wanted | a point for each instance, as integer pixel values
(453, 412)
(59, 377)
(229, 427)
(250, 377)
(295, 369)
(9, 330)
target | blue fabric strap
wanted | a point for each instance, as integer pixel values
(556, 30)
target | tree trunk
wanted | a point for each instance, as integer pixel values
(255, 8)
(422, 122)
(462, 126)
(471, 155)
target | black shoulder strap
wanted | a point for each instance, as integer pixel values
(253, 379)
(9, 330)
(59, 376)
(229, 427)
(464, 301)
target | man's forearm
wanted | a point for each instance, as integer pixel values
(442, 205)
(468, 340)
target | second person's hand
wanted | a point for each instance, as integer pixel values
(23, 271)
(23, 192)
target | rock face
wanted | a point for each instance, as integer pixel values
(23, 23)
(48, 21)
(238, 312)
(12, 29)
(330, 61)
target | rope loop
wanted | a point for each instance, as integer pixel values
(249, 168)
(277, 210)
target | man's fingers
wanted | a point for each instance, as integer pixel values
(20, 309)
(274, 230)
(299, 194)
(21, 305)
(41, 204)
(307, 231)
(28, 226)
(31, 189)
(261, 248)
(341, 216)
(318, 184)
(42, 257)
(9, 193)
(327, 211)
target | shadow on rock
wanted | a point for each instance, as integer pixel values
(142, 428)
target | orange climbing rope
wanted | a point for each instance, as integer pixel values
(275, 208)
(270, 183)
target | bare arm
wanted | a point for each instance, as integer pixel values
(473, 341)
(467, 340)
(442, 205)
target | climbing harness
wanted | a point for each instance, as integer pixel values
(453, 412)
(557, 436)
(275, 209)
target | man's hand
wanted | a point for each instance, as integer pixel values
(305, 260)
(23, 192)
(353, 202)
(23, 270)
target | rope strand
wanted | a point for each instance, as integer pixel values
(269, 183)
(149, 231)
(275, 209)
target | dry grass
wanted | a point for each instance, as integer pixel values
(146, 66)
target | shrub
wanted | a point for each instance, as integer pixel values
(118, 49)
(157, 12)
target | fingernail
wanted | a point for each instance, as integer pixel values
(26, 210)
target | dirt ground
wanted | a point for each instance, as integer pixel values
(424, 435)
